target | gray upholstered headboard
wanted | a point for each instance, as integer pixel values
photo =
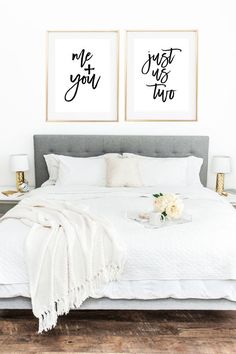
(93, 145)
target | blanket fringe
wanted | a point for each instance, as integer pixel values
(76, 296)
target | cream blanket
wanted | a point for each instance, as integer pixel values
(69, 255)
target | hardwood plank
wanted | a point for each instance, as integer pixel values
(193, 332)
(114, 344)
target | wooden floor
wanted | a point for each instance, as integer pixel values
(172, 332)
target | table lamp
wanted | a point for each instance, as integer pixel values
(19, 164)
(221, 165)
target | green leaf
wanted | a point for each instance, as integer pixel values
(157, 195)
(163, 215)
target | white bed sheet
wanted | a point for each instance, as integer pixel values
(160, 262)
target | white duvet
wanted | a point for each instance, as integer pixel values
(204, 249)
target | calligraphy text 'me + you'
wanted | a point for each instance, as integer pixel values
(88, 76)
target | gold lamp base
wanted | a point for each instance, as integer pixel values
(220, 184)
(20, 178)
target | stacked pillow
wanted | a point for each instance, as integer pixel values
(170, 171)
(129, 170)
(67, 170)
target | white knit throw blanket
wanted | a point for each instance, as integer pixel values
(69, 255)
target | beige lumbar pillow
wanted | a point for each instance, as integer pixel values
(123, 172)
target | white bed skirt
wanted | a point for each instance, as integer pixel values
(108, 304)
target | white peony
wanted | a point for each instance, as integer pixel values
(170, 198)
(174, 209)
(160, 204)
(169, 205)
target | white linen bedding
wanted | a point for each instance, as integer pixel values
(204, 249)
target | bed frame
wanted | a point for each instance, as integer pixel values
(93, 145)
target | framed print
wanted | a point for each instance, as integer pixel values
(82, 76)
(161, 76)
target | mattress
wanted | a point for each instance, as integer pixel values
(195, 260)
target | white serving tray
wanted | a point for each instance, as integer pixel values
(134, 216)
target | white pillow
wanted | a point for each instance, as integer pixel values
(193, 172)
(123, 172)
(176, 171)
(81, 171)
(53, 161)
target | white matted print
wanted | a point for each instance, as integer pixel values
(161, 82)
(82, 76)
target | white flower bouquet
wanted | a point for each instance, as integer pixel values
(169, 205)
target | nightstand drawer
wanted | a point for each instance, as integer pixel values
(6, 205)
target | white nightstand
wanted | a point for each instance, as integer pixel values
(6, 203)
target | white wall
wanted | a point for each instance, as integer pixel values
(23, 26)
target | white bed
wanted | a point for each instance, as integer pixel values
(188, 266)
(189, 261)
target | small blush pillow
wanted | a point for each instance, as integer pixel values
(122, 172)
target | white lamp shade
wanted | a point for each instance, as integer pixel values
(221, 164)
(19, 163)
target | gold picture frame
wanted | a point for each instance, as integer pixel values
(116, 75)
(193, 119)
